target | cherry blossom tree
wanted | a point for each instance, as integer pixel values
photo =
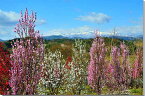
(27, 57)
(97, 65)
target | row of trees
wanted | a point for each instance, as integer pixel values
(33, 69)
(117, 73)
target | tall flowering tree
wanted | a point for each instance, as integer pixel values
(4, 70)
(97, 65)
(125, 64)
(27, 57)
(137, 70)
(53, 73)
(76, 68)
(119, 71)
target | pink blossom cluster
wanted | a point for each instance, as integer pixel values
(27, 57)
(96, 67)
(137, 70)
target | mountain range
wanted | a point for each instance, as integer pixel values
(52, 37)
(82, 37)
(1, 40)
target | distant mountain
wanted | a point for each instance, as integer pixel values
(88, 37)
(76, 37)
(122, 37)
(1, 40)
(64, 37)
(126, 37)
(140, 37)
(54, 37)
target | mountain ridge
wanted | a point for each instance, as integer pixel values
(52, 37)
(78, 37)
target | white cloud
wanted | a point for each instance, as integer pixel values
(131, 30)
(3, 30)
(6, 32)
(10, 18)
(40, 21)
(126, 30)
(95, 18)
(89, 31)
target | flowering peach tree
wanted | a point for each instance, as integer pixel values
(27, 57)
(97, 65)
(137, 70)
(119, 69)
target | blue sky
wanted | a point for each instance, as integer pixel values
(75, 17)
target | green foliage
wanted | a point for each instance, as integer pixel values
(138, 91)
(137, 83)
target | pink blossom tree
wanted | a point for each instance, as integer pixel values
(119, 71)
(27, 57)
(97, 66)
(137, 70)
